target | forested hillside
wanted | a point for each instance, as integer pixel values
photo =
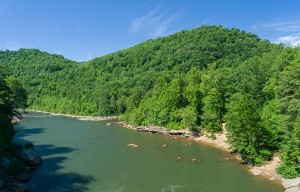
(193, 79)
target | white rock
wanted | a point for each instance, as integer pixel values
(289, 183)
(293, 189)
(256, 171)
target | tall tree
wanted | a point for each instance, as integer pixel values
(245, 133)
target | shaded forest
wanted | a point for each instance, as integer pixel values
(193, 79)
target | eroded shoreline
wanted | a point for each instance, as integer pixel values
(268, 170)
(79, 117)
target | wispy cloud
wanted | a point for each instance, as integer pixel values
(290, 26)
(287, 32)
(144, 20)
(205, 22)
(156, 22)
(88, 57)
(292, 40)
(146, 3)
(10, 45)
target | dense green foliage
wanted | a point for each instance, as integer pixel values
(12, 95)
(193, 79)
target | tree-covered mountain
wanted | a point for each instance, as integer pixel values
(193, 79)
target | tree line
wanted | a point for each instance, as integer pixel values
(194, 79)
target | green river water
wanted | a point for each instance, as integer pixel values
(90, 156)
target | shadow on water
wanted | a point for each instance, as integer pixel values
(48, 177)
(48, 150)
(23, 132)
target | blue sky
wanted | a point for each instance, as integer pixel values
(84, 29)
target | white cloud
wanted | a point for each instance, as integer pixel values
(290, 26)
(10, 45)
(205, 21)
(293, 40)
(287, 32)
(279, 24)
(159, 31)
(146, 3)
(88, 57)
(141, 21)
(155, 23)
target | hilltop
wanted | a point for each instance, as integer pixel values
(193, 79)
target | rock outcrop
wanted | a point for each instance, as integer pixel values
(23, 177)
(256, 170)
(29, 157)
(132, 145)
(1, 184)
(18, 180)
(177, 132)
(18, 187)
(291, 185)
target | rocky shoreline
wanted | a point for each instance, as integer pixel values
(15, 171)
(291, 185)
(268, 170)
(159, 130)
(79, 117)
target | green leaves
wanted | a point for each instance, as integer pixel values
(242, 123)
(192, 79)
(19, 94)
(11, 96)
(287, 92)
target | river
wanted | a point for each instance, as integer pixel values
(90, 156)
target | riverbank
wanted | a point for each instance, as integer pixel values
(268, 170)
(15, 170)
(79, 117)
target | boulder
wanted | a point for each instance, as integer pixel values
(1, 184)
(188, 135)
(23, 177)
(163, 132)
(29, 157)
(256, 171)
(5, 162)
(18, 187)
(293, 189)
(108, 124)
(176, 132)
(141, 128)
(292, 185)
(132, 145)
(152, 130)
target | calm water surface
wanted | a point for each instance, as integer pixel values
(90, 156)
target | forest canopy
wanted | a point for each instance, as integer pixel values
(194, 79)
